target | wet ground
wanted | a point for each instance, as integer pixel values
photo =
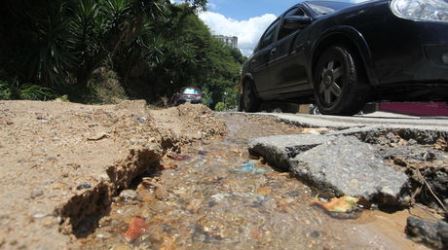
(214, 196)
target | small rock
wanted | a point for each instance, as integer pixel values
(178, 157)
(412, 142)
(428, 156)
(314, 234)
(391, 136)
(194, 205)
(98, 137)
(104, 235)
(40, 117)
(129, 195)
(36, 193)
(169, 165)
(433, 234)
(202, 153)
(217, 198)
(83, 186)
(265, 191)
(161, 193)
(141, 119)
(48, 222)
(137, 226)
(39, 215)
(197, 136)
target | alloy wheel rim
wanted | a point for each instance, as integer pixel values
(330, 86)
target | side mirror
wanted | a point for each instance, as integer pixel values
(296, 22)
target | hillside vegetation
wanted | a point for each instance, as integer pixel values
(100, 51)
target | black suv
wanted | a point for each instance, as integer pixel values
(342, 55)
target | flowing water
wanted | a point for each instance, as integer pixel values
(214, 196)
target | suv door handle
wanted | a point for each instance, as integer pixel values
(273, 51)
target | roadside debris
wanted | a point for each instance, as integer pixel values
(433, 234)
(249, 168)
(168, 165)
(137, 226)
(441, 144)
(345, 207)
(178, 157)
(83, 186)
(129, 195)
(315, 131)
(98, 137)
(221, 199)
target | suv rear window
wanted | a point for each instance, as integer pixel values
(191, 91)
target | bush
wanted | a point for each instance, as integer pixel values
(36, 92)
(5, 91)
(220, 106)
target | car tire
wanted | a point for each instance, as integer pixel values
(249, 101)
(340, 85)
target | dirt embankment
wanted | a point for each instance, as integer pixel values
(61, 163)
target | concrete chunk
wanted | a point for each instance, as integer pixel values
(335, 165)
(278, 150)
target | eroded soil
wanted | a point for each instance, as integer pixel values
(207, 198)
(62, 163)
(126, 177)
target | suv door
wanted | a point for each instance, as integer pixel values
(287, 62)
(260, 62)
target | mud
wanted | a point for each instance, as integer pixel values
(209, 198)
(187, 179)
(63, 163)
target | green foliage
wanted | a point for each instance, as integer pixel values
(220, 106)
(154, 46)
(9, 91)
(36, 92)
(5, 91)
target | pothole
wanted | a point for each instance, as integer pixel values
(82, 213)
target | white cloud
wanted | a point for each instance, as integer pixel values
(248, 31)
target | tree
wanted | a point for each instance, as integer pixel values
(156, 47)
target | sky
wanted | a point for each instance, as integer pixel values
(246, 19)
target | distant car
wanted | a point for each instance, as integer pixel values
(188, 94)
(342, 55)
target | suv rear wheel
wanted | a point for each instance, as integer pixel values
(249, 102)
(340, 83)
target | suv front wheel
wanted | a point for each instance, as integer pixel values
(340, 86)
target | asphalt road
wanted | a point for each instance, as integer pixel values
(377, 119)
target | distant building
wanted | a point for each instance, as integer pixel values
(231, 41)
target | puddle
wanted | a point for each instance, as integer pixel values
(214, 199)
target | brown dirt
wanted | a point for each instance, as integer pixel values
(62, 163)
(205, 200)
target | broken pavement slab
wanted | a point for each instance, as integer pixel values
(278, 150)
(337, 166)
